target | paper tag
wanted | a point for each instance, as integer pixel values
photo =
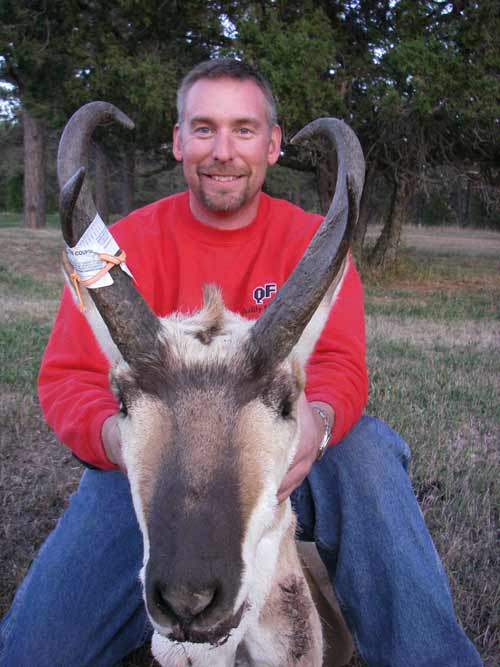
(84, 257)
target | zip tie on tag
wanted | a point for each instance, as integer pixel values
(111, 261)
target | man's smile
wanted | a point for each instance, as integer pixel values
(222, 179)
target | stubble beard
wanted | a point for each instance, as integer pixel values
(223, 202)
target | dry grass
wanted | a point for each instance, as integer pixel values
(447, 240)
(427, 334)
(434, 338)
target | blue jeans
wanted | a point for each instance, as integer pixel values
(81, 605)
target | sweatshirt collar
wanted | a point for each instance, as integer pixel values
(211, 235)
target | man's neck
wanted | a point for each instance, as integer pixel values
(225, 220)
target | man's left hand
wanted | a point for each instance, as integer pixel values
(311, 434)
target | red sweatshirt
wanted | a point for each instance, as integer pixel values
(171, 256)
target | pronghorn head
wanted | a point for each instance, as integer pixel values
(209, 406)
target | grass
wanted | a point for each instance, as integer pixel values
(13, 219)
(433, 356)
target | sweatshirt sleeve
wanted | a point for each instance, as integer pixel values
(73, 385)
(336, 371)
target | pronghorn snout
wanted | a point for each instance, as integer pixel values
(198, 614)
(186, 604)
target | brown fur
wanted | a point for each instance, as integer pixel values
(296, 606)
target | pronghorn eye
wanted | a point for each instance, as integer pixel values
(286, 408)
(123, 407)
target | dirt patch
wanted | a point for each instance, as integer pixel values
(430, 285)
(37, 475)
(452, 240)
(446, 240)
(481, 335)
(37, 254)
(41, 310)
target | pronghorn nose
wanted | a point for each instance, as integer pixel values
(186, 604)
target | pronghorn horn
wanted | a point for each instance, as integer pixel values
(281, 325)
(132, 324)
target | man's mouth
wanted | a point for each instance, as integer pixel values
(222, 179)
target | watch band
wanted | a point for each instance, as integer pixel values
(327, 435)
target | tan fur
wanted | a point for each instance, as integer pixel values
(205, 454)
(313, 330)
(145, 446)
(251, 481)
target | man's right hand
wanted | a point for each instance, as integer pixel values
(110, 434)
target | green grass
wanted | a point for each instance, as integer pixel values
(438, 305)
(22, 342)
(427, 393)
(26, 286)
(14, 219)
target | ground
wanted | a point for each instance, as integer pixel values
(433, 342)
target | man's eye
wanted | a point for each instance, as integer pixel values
(203, 131)
(245, 131)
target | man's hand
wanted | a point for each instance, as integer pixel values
(312, 431)
(110, 434)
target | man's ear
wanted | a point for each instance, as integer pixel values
(274, 145)
(177, 143)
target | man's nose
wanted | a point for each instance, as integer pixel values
(223, 146)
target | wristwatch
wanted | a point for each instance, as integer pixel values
(327, 435)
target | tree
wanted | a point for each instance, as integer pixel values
(34, 59)
(417, 81)
(61, 55)
(133, 54)
(436, 101)
(296, 47)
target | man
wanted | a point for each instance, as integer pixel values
(80, 603)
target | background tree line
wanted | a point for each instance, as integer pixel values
(418, 81)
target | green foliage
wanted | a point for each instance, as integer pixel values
(436, 99)
(297, 56)
(34, 44)
(14, 197)
(418, 81)
(11, 173)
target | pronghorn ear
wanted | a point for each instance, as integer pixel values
(305, 345)
(96, 323)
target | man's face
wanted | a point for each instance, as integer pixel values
(225, 144)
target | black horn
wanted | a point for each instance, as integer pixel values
(281, 325)
(132, 324)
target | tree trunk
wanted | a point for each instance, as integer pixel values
(101, 182)
(468, 203)
(127, 188)
(326, 173)
(34, 172)
(365, 212)
(459, 201)
(386, 249)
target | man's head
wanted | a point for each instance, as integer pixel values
(226, 137)
(222, 68)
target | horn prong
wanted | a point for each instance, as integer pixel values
(67, 200)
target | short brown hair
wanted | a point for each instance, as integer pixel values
(220, 68)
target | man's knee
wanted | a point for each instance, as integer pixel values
(370, 443)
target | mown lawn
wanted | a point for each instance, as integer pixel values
(433, 329)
